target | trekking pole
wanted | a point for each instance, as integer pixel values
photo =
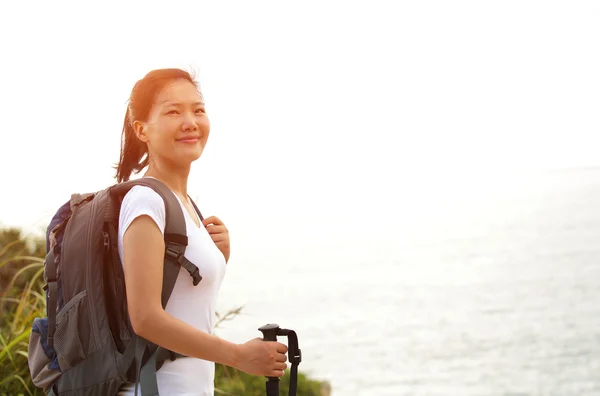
(270, 333)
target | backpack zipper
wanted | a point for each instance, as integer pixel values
(88, 274)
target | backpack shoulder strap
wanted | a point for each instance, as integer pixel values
(175, 244)
(175, 232)
(196, 208)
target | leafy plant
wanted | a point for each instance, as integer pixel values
(19, 308)
(22, 299)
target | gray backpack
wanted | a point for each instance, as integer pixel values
(86, 345)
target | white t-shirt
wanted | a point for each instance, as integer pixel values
(192, 304)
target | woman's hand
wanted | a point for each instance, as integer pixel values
(266, 358)
(219, 234)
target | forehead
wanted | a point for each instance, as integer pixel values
(181, 91)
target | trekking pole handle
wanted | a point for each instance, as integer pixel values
(270, 334)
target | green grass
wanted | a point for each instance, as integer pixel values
(19, 307)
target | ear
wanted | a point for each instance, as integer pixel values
(140, 131)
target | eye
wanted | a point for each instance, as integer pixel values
(200, 111)
(172, 112)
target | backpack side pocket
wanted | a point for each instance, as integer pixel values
(41, 356)
(73, 339)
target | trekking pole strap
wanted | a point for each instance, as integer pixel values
(294, 357)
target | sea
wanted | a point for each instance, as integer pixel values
(492, 292)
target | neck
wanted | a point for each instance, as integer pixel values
(174, 177)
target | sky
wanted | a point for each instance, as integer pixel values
(324, 115)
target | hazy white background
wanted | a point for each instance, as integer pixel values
(317, 108)
(331, 121)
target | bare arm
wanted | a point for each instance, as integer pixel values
(143, 251)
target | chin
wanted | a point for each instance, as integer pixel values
(190, 157)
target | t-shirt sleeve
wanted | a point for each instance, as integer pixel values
(139, 201)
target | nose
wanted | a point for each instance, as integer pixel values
(188, 122)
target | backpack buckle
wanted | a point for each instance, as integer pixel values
(180, 259)
(173, 255)
(196, 276)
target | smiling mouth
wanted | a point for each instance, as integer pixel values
(189, 140)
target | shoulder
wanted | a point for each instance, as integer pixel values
(145, 196)
(142, 200)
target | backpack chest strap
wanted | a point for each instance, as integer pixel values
(175, 245)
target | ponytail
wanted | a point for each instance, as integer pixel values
(132, 151)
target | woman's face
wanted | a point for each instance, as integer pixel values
(177, 128)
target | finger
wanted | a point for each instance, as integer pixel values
(219, 238)
(277, 373)
(281, 358)
(281, 348)
(280, 366)
(212, 220)
(215, 229)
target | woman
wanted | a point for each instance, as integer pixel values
(167, 123)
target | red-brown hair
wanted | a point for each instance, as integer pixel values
(142, 97)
